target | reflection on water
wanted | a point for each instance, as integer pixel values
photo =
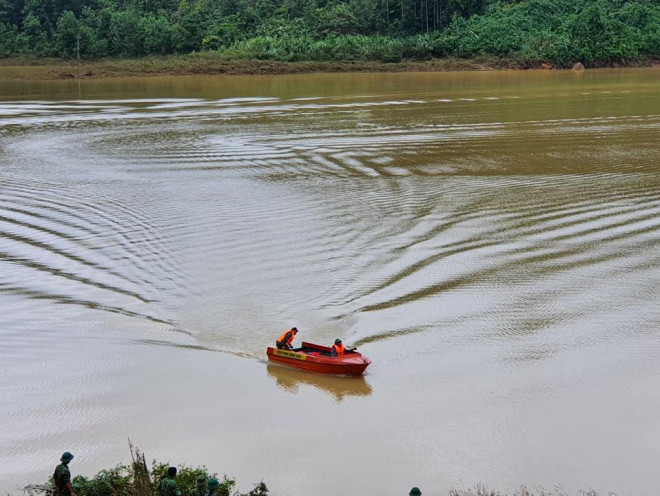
(339, 388)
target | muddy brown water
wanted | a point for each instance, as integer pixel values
(490, 240)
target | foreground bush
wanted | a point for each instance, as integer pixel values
(135, 480)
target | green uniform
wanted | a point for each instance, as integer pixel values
(168, 487)
(212, 485)
(61, 476)
(200, 485)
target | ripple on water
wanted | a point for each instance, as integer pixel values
(398, 201)
(64, 245)
(490, 246)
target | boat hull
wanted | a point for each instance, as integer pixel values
(316, 358)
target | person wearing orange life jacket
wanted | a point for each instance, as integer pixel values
(337, 348)
(285, 341)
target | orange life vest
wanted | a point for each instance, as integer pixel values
(338, 348)
(287, 338)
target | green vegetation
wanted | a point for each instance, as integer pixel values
(561, 32)
(135, 480)
(119, 481)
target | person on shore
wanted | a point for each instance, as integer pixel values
(285, 341)
(168, 486)
(338, 348)
(213, 486)
(62, 476)
(200, 485)
(415, 492)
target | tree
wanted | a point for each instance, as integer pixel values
(156, 34)
(9, 40)
(68, 34)
(35, 36)
(125, 35)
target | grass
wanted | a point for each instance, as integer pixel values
(214, 63)
(217, 63)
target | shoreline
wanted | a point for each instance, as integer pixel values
(207, 63)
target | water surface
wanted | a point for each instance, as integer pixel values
(490, 240)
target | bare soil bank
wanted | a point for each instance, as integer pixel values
(209, 63)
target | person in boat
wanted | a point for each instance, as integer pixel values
(285, 341)
(338, 348)
(62, 477)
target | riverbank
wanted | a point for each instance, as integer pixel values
(212, 63)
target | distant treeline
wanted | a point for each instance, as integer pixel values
(561, 32)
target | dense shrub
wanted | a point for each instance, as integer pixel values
(113, 482)
(122, 481)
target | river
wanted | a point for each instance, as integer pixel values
(490, 240)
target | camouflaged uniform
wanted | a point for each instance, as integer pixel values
(168, 487)
(200, 489)
(61, 476)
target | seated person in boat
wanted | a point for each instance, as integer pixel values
(337, 348)
(285, 341)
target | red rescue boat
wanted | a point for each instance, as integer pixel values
(317, 358)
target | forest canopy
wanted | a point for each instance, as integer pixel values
(595, 32)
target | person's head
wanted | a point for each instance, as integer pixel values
(212, 484)
(415, 492)
(337, 341)
(295, 330)
(200, 480)
(66, 457)
(171, 472)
